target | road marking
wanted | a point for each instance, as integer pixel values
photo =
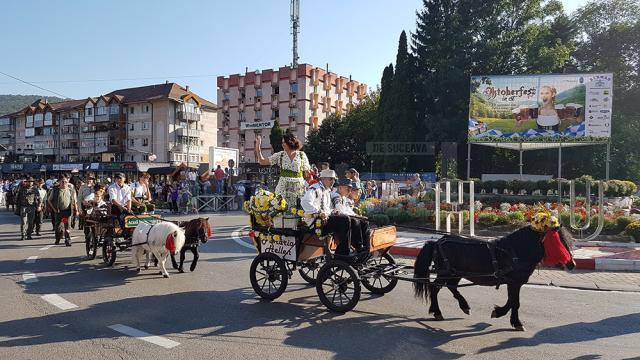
(31, 259)
(157, 340)
(29, 278)
(58, 301)
(47, 247)
(236, 236)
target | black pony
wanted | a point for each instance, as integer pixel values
(195, 231)
(509, 260)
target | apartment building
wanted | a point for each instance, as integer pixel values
(166, 120)
(300, 98)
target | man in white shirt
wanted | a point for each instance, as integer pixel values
(343, 204)
(120, 197)
(317, 202)
(141, 195)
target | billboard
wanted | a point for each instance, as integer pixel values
(225, 157)
(540, 108)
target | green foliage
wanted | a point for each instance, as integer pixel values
(275, 137)
(380, 219)
(516, 217)
(487, 219)
(633, 230)
(636, 202)
(622, 222)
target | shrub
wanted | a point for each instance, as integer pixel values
(630, 188)
(633, 230)
(622, 222)
(487, 219)
(565, 219)
(636, 202)
(392, 213)
(502, 219)
(610, 226)
(581, 183)
(515, 217)
(500, 185)
(544, 185)
(380, 219)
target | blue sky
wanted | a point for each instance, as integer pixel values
(82, 48)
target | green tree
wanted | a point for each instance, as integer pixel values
(275, 137)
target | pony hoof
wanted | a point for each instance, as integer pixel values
(519, 328)
(438, 317)
(165, 276)
(146, 267)
(467, 311)
(180, 271)
(138, 270)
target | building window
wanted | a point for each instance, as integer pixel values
(101, 110)
(201, 143)
(294, 88)
(258, 115)
(132, 158)
(145, 142)
(243, 117)
(131, 109)
(226, 96)
(132, 127)
(29, 122)
(132, 142)
(146, 108)
(258, 92)
(202, 127)
(145, 157)
(145, 125)
(275, 114)
(89, 111)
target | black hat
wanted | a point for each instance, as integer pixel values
(344, 182)
(29, 178)
(119, 175)
(355, 185)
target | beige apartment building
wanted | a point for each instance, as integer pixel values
(300, 98)
(166, 120)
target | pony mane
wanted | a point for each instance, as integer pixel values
(566, 237)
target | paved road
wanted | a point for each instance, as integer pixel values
(61, 306)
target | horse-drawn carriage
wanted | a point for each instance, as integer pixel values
(291, 246)
(101, 229)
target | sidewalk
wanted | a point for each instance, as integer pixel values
(608, 256)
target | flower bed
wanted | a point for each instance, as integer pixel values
(407, 210)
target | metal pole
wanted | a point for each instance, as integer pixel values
(521, 164)
(468, 160)
(608, 160)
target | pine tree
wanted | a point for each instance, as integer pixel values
(275, 137)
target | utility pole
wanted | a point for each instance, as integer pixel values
(295, 29)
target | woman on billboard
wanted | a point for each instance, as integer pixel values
(548, 118)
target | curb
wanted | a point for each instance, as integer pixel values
(598, 264)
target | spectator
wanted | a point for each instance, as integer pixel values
(219, 177)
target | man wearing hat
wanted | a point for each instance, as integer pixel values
(120, 197)
(27, 204)
(63, 204)
(343, 202)
(317, 203)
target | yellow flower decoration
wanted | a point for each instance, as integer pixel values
(294, 211)
(301, 213)
(277, 238)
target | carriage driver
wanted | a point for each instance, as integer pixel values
(120, 196)
(317, 203)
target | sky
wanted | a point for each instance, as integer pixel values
(81, 48)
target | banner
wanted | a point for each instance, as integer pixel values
(540, 108)
(227, 158)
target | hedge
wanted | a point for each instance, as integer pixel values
(612, 188)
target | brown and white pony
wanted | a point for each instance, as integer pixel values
(196, 231)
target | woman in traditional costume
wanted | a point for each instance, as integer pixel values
(293, 164)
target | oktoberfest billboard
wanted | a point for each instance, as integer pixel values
(540, 108)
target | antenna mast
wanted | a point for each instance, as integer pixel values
(295, 29)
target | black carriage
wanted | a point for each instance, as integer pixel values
(338, 283)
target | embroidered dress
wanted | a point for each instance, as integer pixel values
(291, 184)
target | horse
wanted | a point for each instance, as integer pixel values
(159, 239)
(509, 260)
(196, 231)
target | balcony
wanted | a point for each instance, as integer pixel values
(183, 148)
(114, 117)
(70, 151)
(100, 118)
(188, 116)
(188, 132)
(5, 128)
(69, 136)
(45, 151)
(70, 121)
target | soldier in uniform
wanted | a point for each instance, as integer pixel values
(28, 202)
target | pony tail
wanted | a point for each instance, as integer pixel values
(421, 271)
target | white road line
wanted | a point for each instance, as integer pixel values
(157, 340)
(47, 247)
(58, 301)
(236, 236)
(29, 278)
(31, 259)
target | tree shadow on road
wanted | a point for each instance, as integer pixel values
(575, 333)
(225, 315)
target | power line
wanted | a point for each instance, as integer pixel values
(120, 79)
(34, 85)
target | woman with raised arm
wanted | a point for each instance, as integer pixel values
(293, 165)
